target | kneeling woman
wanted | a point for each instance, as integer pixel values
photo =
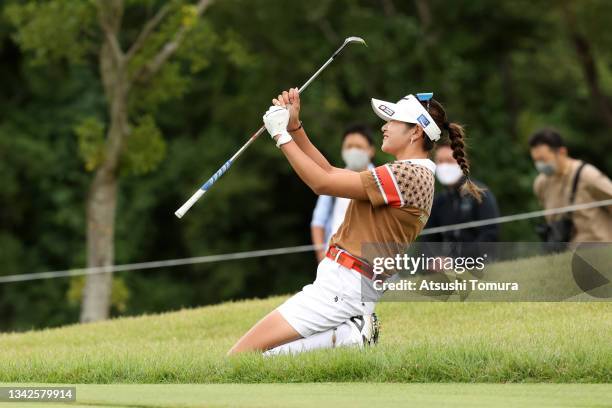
(390, 204)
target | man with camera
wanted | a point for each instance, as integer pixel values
(565, 181)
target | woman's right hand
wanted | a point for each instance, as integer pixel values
(291, 100)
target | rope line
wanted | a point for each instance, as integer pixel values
(282, 251)
(516, 217)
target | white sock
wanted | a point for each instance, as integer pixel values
(345, 335)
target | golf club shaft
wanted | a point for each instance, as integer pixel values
(209, 183)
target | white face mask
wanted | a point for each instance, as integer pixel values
(356, 159)
(448, 174)
(547, 168)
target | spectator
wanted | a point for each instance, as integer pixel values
(553, 188)
(357, 154)
(450, 206)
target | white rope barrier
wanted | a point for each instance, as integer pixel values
(156, 264)
(282, 251)
(516, 217)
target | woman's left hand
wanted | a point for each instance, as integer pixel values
(291, 100)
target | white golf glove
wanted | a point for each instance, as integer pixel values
(276, 119)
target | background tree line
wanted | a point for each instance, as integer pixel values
(502, 68)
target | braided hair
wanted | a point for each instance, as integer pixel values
(456, 136)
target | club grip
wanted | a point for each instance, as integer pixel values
(206, 186)
(189, 203)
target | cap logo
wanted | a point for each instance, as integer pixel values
(386, 109)
(423, 121)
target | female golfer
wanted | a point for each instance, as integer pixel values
(390, 205)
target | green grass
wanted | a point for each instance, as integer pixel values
(339, 395)
(420, 342)
(488, 342)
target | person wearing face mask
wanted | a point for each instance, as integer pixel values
(451, 206)
(357, 154)
(564, 181)
(389, 207)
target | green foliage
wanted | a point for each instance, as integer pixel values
(145, 148)
(502, 68)
(233, 46)
(199, 46)
(175, 77)
(189, 16)
(169, 84)
(119, 298)
(90, 135)
(179, 16)
(54, 30)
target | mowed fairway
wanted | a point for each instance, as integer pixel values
(352, 395)
(420, 342)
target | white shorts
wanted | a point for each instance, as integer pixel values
(334, 297)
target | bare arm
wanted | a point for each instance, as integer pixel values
(301, 139)
(335, 183)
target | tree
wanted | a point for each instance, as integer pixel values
(504, 69)
(586, 53)
(133, 81)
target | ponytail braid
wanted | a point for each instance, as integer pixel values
(456, 134)
(457, 143)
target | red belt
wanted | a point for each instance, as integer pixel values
(349, 261)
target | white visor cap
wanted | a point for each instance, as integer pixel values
(408, 110)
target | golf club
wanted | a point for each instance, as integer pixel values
(206, 186)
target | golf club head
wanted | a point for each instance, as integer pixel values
(355, 40)
(349, 40)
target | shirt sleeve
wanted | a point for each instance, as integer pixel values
(371, 187)
(597, 183)
(537, 188)
(399, 185)
(322, 211)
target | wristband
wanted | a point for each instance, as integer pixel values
(283, 138)
(296, 129)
